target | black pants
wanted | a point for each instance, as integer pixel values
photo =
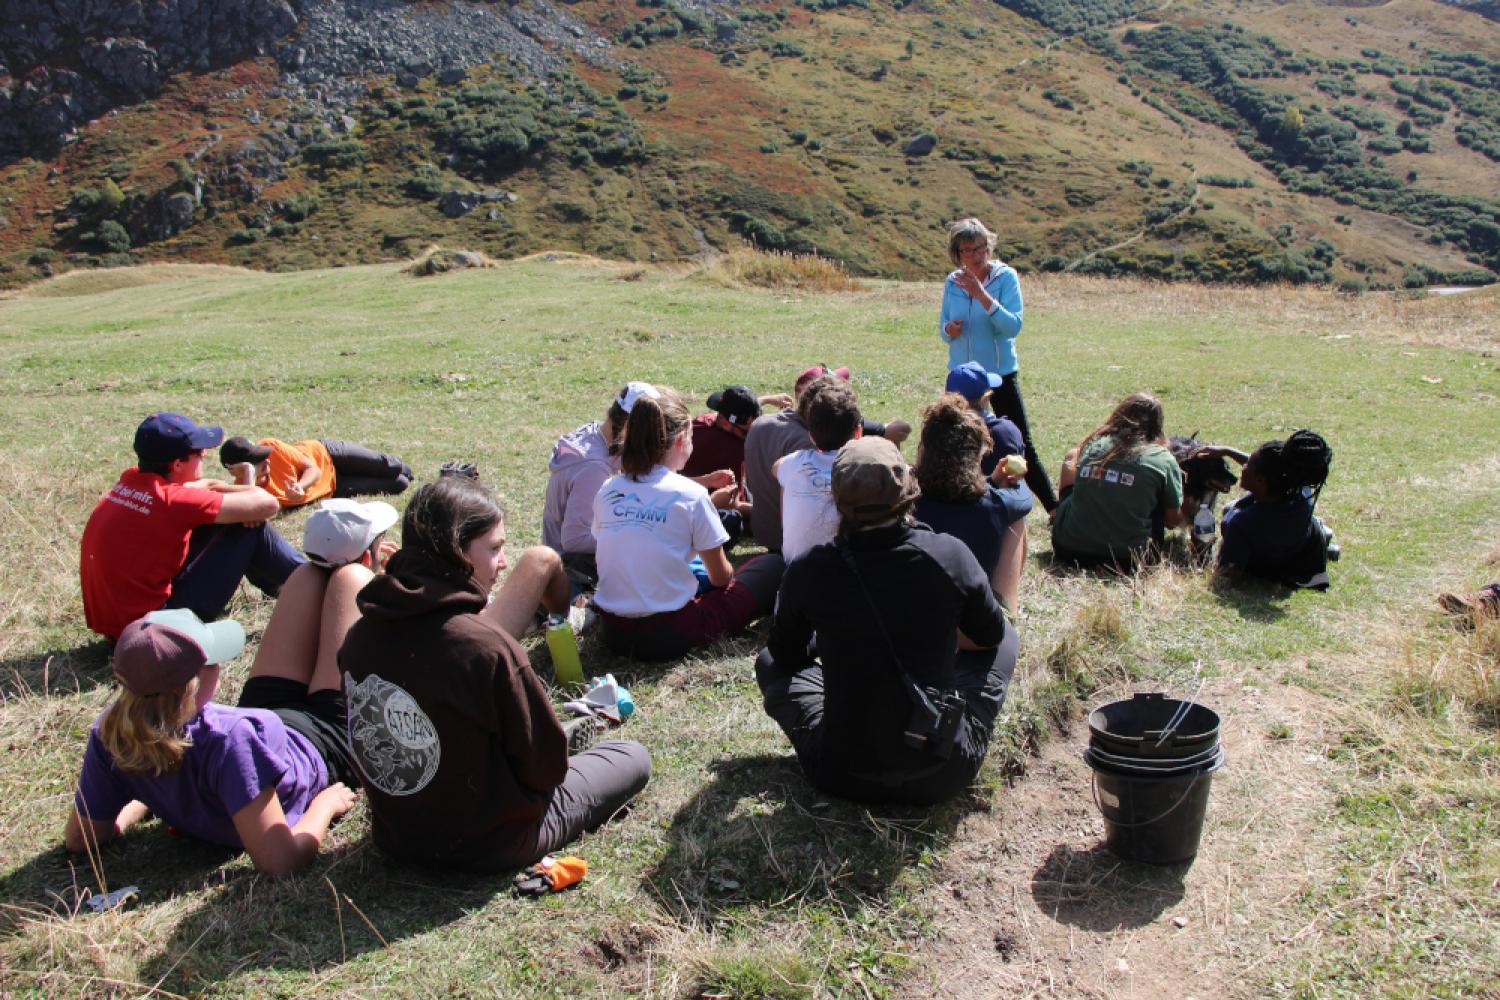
(1006, 402)
(982, 677)
(361, 471)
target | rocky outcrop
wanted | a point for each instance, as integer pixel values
(65, 62)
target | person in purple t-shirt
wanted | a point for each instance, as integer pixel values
(268, 776)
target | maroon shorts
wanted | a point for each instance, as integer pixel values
(668, 635)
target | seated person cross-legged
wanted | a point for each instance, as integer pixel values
(463, 759)
(1119, 491)
(896, 698)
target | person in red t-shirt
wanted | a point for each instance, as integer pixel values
(719, 447)
(165, 537)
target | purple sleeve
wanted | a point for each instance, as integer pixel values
(245, 767)
(578, 512)
(100, 795)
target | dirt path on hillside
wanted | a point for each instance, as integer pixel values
(1029, 904)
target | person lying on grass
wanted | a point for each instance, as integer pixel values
(307, 471)
(464, 763)
(267, 776)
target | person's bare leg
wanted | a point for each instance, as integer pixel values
(338, 612)
(536, 579)
(1006, 580)
(289, 647)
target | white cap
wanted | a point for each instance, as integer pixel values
(339, 531)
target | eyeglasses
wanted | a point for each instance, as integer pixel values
(976, 248)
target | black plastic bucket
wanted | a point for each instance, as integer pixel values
(1154, 818)
(1138, 728)
(1103, 760)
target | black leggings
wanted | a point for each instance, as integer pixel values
(1006, 402)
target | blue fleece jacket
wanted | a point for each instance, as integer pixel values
(988, 337)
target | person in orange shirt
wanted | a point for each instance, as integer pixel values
(307, 471)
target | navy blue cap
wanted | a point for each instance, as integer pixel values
(162, 437)
(971, 381)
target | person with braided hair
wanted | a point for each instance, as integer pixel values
(1271, 532)
(1120, 489)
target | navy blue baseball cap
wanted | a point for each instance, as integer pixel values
(162, 437)
(971, 381)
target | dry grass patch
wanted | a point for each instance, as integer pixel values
(748, 267)
(439, 260)
(92, 282)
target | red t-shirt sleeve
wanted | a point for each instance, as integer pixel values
(192, 506)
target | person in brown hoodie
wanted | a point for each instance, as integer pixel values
(463, 760)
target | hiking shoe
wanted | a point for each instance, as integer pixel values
(581, 733)
(1472, 606)
(465, 470)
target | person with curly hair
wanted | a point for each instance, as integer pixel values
(986, 513)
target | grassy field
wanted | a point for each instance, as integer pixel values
(732, 877)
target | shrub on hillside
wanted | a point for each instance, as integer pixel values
(110, 237)
(336, 154)
(244, 237)
(299, 206)
(425, 183)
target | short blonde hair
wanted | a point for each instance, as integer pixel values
(966, 232)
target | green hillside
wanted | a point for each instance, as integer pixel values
(1302, 142)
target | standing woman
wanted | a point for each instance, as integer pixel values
(981, 317)
(649, 523)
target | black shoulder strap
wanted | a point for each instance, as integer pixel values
(913, 689)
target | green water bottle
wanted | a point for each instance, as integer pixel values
(564, 648)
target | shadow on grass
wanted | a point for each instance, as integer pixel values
(1254, 600)
(759, 834)
(68, 671)
(352, 901)
(1096, 891)
(1048, 562)
(55, 879)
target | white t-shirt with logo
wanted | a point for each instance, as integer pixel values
(808, 516)
(647, 531)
